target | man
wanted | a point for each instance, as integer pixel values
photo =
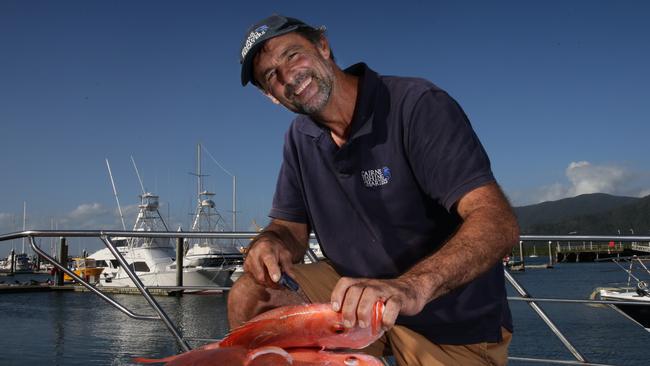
(390, 176)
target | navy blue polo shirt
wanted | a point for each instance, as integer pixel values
(385, 199)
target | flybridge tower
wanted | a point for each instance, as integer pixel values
(149, 217)
(206, 216)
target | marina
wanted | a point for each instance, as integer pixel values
(587, 331)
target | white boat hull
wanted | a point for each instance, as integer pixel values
(193, 277)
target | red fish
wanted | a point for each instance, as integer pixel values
(312, 325)
(314, 357)
(264, 337)
(231, 356)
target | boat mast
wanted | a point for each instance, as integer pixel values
(234, 190)
(119, 208)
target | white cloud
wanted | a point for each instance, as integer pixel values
(587, 178)
(88, 216)
(87, 210)
(584, 177)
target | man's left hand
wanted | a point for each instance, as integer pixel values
(355, 298)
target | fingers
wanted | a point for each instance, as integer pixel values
(356, 299)
(391, 311)
(272, 265)
(265, 262)
(338, 294)
(350, 305)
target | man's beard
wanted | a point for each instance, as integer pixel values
(318, 101)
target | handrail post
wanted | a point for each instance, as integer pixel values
(62, 268)
(145, 293)
(522, 292)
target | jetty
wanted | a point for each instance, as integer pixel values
(574, 250)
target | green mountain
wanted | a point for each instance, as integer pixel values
(590, 214)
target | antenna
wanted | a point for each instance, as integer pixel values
(24, 222)
(234, 188)
(138, 174)
(119, 208)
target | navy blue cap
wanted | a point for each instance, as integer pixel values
(257, 34)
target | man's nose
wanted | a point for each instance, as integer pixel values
(285, 74)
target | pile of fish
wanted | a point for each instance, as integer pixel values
(301, 335)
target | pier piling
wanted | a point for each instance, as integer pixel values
(63, 259)
(12, 262)
(179, 265)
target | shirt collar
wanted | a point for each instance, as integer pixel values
(364, 106)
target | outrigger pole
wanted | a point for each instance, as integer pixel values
(119, 208)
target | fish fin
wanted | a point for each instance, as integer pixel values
(153, 360)
(377, 316)
(261, 351)
(233, 336)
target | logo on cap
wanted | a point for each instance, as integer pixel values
(252, 37)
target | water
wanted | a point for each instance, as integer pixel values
(68, 328)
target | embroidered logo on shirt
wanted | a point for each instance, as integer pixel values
(376, 177)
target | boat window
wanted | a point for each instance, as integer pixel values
(140, 267)
(101, 263)
(114, 263)
(119, 242)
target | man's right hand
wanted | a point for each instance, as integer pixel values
(267, 258)
(275, 250)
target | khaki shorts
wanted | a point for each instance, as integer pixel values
(408, 347)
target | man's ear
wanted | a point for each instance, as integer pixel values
(273, 99)
(324, 47)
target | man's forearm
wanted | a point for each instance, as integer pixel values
(486, 235)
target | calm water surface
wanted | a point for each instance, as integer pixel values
(70, 328)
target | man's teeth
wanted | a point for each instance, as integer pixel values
(303, 86)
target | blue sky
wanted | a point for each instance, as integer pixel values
(558, 92)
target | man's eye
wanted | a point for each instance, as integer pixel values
(270, 75)
(292, 55)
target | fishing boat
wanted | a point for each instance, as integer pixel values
(85, 268)
(639, 293)
(222, 255)
(152, 259)
(639, 314)
(22, 263)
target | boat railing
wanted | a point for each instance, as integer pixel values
(106, 237)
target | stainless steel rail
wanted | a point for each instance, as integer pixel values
(520, 289)
(90, 287)
(154, 304)
(105, 236)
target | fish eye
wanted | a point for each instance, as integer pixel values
(351, 361)
(338, 328)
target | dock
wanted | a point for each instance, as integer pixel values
(21, 288)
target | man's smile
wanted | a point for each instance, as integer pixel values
(303, 85)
